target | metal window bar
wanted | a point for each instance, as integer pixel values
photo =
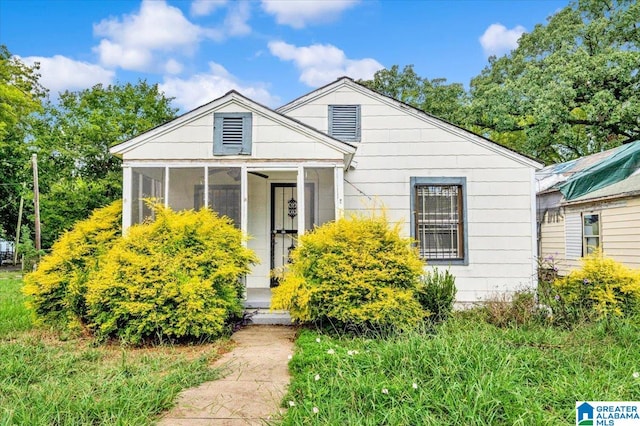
(439, 221)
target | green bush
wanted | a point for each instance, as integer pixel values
(27, 252)
(357, 272)
(601, 289)
(437, 294)
(57, 289)
(175, 278)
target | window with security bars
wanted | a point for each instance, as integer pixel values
(232, 133)
(344, 122)
(439, 221)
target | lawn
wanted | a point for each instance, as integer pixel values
(48, 381)
(468, 373)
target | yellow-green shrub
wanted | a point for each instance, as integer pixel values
(57, 288)
(356, 271)
(177, 277)
(601, 288)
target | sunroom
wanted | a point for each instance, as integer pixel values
(274, 177)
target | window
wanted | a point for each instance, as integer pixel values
(439, 219)
(344, 122)
(590, 233)
(232, 133)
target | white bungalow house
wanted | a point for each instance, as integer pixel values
(468, 202)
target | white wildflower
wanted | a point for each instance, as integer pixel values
(352, 353)
(289, 356)
(316, 377)
(385, 391)
(331, 352)
(315, 410)
(318, 339)
(292, 404)
(636, 375)
(415, 386)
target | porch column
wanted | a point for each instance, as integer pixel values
(300, 196)
(166, 186)
(244, 203)
(206, 186)
(127, 193)
(338, 189)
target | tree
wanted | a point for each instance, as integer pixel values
(20, 97)
(436, 97)
(73, 139)
(570, 88)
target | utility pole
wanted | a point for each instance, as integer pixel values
(15, 246)
(36, 200)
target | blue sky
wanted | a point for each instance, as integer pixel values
(271, 50)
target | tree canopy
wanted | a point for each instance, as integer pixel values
(571, 87)
(20, 97)
(73, 138)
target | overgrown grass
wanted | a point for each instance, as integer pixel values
(468, 372)
(14, 317)
(45, 381)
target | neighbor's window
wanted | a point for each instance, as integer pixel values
(439, 223)
(590, 233)
(344, 122)
(232, 133)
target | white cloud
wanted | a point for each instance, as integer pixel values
(127, 57)
(299, 14)
(235, 23)
(59, 73)
(322, 63)
(202, 88)
(206, 7)
(498, 39)
(173, 67)
(130, 42)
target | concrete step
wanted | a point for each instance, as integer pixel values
(268, 317)
(257, 298)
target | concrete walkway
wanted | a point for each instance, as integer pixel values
(255, 380)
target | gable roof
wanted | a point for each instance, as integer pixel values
(235, 97)
(416, 112)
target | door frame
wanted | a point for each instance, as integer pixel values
(309, 209)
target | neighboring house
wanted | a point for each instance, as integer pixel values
(588, 203)
(468, 202)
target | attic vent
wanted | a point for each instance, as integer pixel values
(232, 130)
(344, 122)
(232, 133)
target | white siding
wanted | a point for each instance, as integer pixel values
(396, 146)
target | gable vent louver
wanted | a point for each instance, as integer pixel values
(232, 131)
(344, 122)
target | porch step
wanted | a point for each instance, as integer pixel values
(258, 298)
(268, 317)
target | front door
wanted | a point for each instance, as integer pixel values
(284, 221)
